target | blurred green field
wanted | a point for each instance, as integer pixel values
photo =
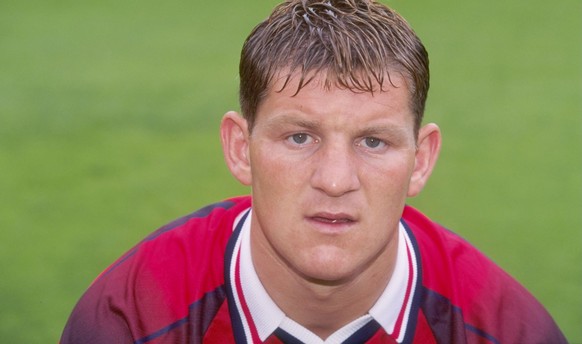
(109, 113)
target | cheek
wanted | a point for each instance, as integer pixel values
(387, 179)
(275, 172)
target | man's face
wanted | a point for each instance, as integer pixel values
(330, 175)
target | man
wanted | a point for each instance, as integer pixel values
(332, 96)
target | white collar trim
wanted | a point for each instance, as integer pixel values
(391, 310)
(266, 315)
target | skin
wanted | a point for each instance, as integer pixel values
(330, 171)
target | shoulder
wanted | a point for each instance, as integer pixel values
(191, 247)
(208, 227)
(202, 234)
(463, 284)
(165, 274)
(448, 260)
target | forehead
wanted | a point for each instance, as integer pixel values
(321, 97)
(391, 87)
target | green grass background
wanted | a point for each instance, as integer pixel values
(108, 129)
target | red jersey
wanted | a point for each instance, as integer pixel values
(178, 286)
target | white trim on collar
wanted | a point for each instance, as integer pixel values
(391, 310)
(267, 316)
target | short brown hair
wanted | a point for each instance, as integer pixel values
(355, 42)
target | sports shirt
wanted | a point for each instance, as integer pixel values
(190, 282)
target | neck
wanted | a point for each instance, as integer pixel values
(324, 306)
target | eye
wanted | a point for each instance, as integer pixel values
(300, 139)
(371, 143)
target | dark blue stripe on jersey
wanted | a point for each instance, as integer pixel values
(286, 338)
(162, 331)
(119, 262)
(481, 333)
(200, 315)
(201, 213)
(364, 334)
(237, 325)
(417, 297)
(446, 320)
(203, 311)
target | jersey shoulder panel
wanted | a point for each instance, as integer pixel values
(156, 285)
(473, 293)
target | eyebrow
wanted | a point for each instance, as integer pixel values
(288, 119)
(384, 130)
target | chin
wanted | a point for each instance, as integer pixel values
(329, 278)
(329, 269)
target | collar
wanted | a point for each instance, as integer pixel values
(256, 316)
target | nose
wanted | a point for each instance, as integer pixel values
(336, 171)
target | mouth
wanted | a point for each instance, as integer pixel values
(332, 219)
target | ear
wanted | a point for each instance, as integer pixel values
(428, 148)
(234, 136)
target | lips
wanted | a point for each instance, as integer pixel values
(332, 221)
(333, 218)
